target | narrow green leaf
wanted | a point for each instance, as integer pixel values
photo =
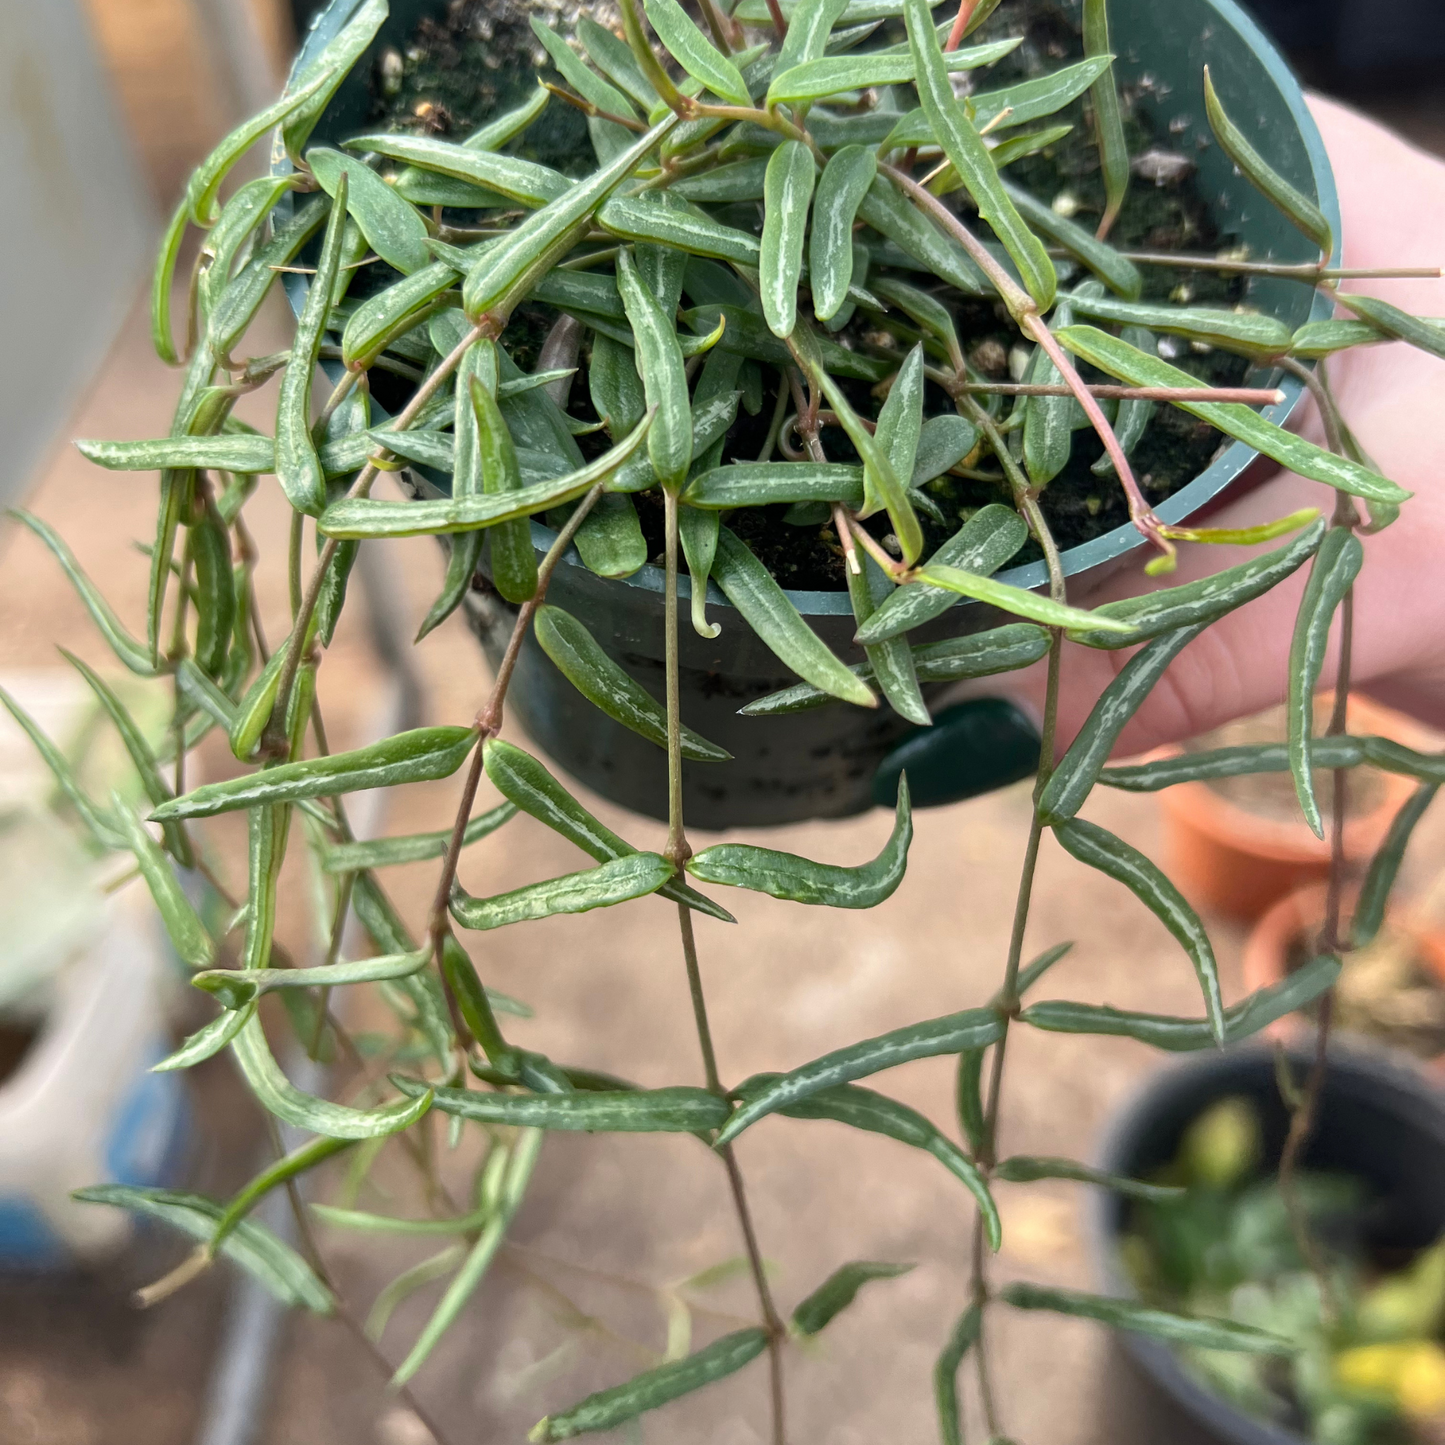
(1015, 105)
(1385, 866)
(206, 1042)
(385, 852)
(981, 546)
(126, 648)
(142, 758)
(819, 79)
(603, 683)
(1026, 1169)
(1379, 322)
(162, 337)
(203, 189)
(510, 267)
(410, 757)
(297, 1162)
(188, 935)
(1014, 599)
(1108, 116)
(1132, 366)
(1207, 600)
(765, 608)
(762, 484)
(900, 221)
(609, 1408)
(928, 312)
(514, 559)
(231, 452)
(103, 828)
(1217, 763)
(968, 1099)
(388, 314)
(298, 468)
(1077, 772)
(741, 181)
(979, 654)
(891, 663)
(1048, 420)
(362, 517)
(1335, 568)
(698, 531)
(882, 486)
(509, 177)
(664, 381)
(838, 1291)
(961, 1340)
(971, 1029)
(800, 880)
(527, 784)
(809, 27)
(1133, 417)
(1250, 332)
(615, 387)
(695, 52)
(963, 146)
(747, 334)
(618, 1111)
(273, 1264)
(634, 875)
(241, 298)
(235, 989)
(393, 229)
(215, 596)
(1297, 206)
(279, 1096)
(1100, 849)
(787, 193)
(900, 421)
(365, 1223)
(587, 83)
(1242, 1021)
(649, 218)
(1122, 1314)
(337, 58)
(612, 57)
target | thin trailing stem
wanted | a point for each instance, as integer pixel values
(1247, 395)
(678, 852)
(960, 24)
(1313, 274)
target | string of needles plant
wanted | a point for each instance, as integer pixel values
(893, 217)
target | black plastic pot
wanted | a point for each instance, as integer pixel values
(1377, 1121)
(837, 761)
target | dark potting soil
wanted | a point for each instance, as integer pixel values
(481, 57)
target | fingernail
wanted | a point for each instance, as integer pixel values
(973, 747)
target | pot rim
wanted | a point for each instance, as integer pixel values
(1226, 468)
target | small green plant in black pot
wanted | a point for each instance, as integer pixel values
(845, 291)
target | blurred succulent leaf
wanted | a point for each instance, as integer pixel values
(1336, 565)
(206, 1042)
(189, 936)
(1385, 865)
(961, 1340)
(609, 1408)
(1123, 1314)
(678, 1110)
(838, 1291)
(1027, 1169)
(272, 1263)
(236, 988)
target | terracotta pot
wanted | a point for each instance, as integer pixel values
(1229, 860)
(1300, 916)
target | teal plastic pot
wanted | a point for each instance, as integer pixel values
(837, 761)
